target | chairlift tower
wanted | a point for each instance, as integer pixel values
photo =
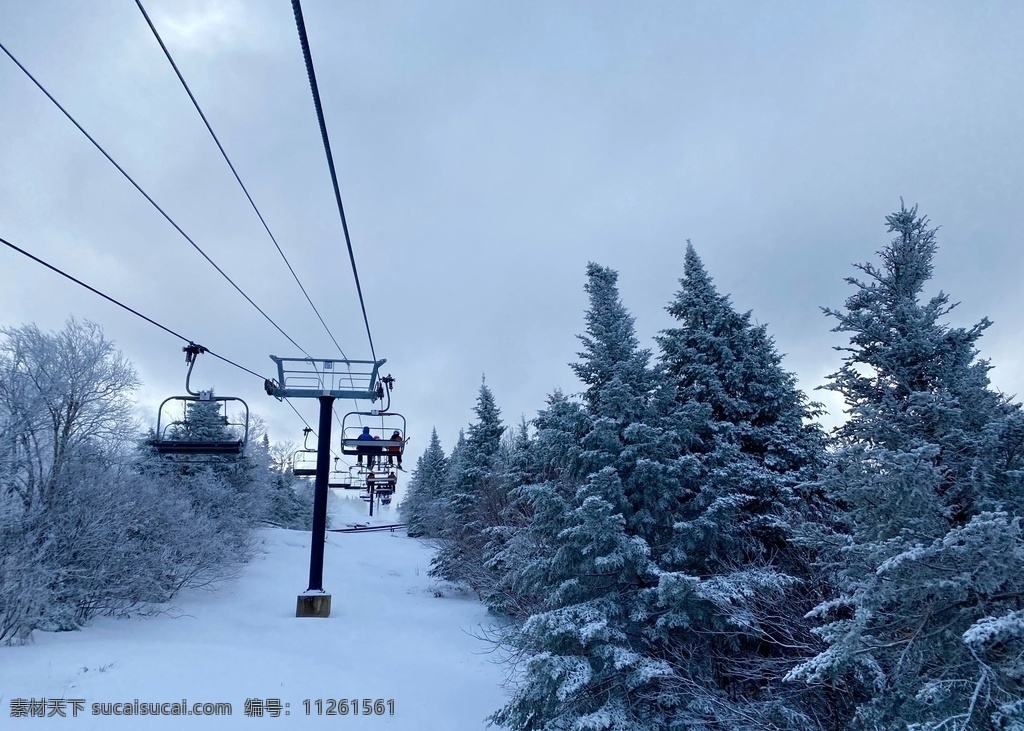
(324, 380)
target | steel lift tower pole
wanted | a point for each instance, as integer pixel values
(324, 380)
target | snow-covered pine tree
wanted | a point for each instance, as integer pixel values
(585, 663)
(585, 666)
(203, 422)
(751, 439)
(421, 507)
(612, 365)
(542, 502)
(290, 503)
(926, 624)
(508, 546)
(728, 612)
(632, 427)
(452, 478)
(474, 498)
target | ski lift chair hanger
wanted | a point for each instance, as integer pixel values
(165, 445)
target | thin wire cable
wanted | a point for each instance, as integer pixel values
(148, 198)
(153, 322)
(304, 40)
(238, 178)
(107, 297)
(288, 401)
(150, 320)
(234, 172)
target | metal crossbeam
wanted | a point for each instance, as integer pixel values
(314, 378)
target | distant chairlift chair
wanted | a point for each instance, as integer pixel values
(304, 460)
(341, 478)
(383, 487)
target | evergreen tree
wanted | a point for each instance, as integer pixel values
(585, 666)
(421, 507)
(630, 429)
(926, 624)
(203, 422)
(731, 563)
(540, 498)
(612, 366)
(507, 546)
(750, 437)
(452, 478)
(474, 499)
(291, 502)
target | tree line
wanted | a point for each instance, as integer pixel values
(93, 521)
(680, 546)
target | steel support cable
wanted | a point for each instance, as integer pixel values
(234, 172)
(148, 198)
(304, 40)
(311, 429)
(150, 320)
(107, 297)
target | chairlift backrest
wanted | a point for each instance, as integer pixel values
(190, 434)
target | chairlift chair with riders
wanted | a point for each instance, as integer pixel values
(382, 483)
(202, 429)
(382, 428)
(380, 488)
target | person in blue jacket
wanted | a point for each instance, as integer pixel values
(366, 449)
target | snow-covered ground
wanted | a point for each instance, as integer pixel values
(389, 637)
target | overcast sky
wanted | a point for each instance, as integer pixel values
(486, 153)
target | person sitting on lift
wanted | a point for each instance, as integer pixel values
(395, 450)
(371, 481)
(392, 481)
(377, 452)
(362, 449)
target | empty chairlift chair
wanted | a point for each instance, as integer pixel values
(341, 477)
(304, 460)
(204, 427)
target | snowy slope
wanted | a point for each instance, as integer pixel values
(388, 637)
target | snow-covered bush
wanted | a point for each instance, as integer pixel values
(85, 528)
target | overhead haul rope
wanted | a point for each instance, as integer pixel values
(148, 198)
(138, 314)
(234, 172)
(304, 40)
(123, 306)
